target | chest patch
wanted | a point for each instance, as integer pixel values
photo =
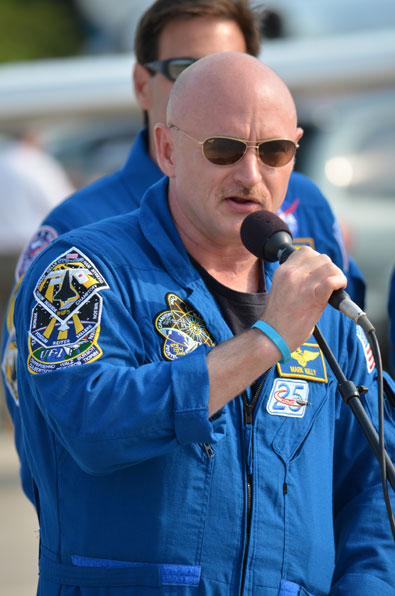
(65, 321)
(288, 398)
(307, 362)
(181, 327)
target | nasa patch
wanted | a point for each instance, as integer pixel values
(370, 363)
(65, 321)
(287, 214)
(181, 327)
(288, 398)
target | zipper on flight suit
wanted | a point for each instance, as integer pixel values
(209, 450)
(248, 410)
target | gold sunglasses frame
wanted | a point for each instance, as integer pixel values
(247, 145)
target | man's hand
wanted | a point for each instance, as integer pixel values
(301, 289)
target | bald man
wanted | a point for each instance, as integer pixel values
(171, 35)
(184, 431)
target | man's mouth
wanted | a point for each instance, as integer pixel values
(243, 200)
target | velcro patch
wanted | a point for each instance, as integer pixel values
(288, 398)
(65, 321)
(307, 362)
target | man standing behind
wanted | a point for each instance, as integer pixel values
(171, 35)
(136, 365)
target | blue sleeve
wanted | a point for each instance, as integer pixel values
(120, 406)
(363, 567)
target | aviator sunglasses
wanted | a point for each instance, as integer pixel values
(226, 151)
(171, 68)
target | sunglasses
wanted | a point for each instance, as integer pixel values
(171, 68)
(226, 151)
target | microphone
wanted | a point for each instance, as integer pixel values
(268, 237)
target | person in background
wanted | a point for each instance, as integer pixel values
(32, 184)
(172, 35)
(177, 409)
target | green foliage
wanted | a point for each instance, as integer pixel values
(33, 29)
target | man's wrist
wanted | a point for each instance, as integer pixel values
(275, 337)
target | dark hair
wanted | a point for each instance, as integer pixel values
(162, 12)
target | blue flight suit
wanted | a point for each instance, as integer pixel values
(305, 210)
(140, 491)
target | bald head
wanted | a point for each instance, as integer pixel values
(229, 95)
(228, 83)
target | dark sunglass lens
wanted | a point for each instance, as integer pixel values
(276, 153)
(176, 66)
(223, 151)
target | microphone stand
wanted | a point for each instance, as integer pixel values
(351, 395)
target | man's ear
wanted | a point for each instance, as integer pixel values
(165, 149)
(141, 79)
(299, 134)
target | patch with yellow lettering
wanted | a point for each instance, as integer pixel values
(65, 321)
(181, 327)
(307, 362)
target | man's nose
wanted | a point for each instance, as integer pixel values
(249, 169)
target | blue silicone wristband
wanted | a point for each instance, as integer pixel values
(275, 338)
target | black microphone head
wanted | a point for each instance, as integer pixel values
(256, 231)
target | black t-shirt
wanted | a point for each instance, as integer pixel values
(239, 309)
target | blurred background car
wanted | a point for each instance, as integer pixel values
(312, 19)
(349, 151)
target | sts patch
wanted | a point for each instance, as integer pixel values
(181, 328)
(288, 398)
(65, 321)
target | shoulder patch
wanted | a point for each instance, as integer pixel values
(370, 363)
(44, 236)
(65, 322)
(181, 327)
(307, 362)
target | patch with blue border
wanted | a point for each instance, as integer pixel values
(288, 398)
(65, 322)
(307, 362)
(181, 327)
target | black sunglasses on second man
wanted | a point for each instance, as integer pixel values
(171, 68)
